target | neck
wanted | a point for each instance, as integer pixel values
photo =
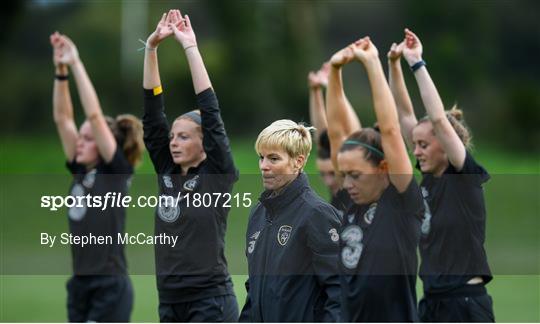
(91, 166)
(380, 189)
(440, 170)
(186, 166)
(278, 191)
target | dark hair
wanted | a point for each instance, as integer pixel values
(455, 117)
(128, 132)
(371, 138)
(323, 149)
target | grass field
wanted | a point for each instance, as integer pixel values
(30, 291)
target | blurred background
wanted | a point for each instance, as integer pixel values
(482, 55)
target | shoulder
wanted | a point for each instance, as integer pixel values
(119, 164)
(316, 210)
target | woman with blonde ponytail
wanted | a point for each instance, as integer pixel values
(454, 267)
(101, 156)
(292, 238)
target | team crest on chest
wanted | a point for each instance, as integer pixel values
(283, 234)
(169, 210)
(370, 213)
(89, 179)
(192, 183)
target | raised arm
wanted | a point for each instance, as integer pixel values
(317, 112)
(407, 119)
(399, 166)
(62, 106)
(181, 27)
(103, 135)
(151, 79)
(342, 120)
(445, 133)
(215, 140)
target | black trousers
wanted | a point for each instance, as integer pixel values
(471, 304)
(213, 309)
(99, 298)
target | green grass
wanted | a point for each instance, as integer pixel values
(31, 167)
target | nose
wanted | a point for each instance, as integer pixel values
(417, 151)
(347, 183)
(264, 165)
(173, 142)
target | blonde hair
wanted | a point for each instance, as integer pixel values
(455, 117)
(187, 116)
(293, 138)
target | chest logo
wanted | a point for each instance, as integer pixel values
(89, 179)
(191, 184)
(77, 212)
(167, 181)
(426, 222)
(334, 236)
(283, 234)
(169, 210)
(352, 250)
(370, 213)
(251, 244)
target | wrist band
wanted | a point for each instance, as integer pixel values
(190, 46)
(157, 90)
(146, 46)
(61, 77)
(418, 65)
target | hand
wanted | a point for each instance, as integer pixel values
(68, 53)
(395, 52)
(342, 57)
(162, 31)
(313, 80)
(55, 43)
(182, 30)
(323, 74)
(412, 51)
(365, 51)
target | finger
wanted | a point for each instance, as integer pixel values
(187, 22)
(173, 28)
(163, 18)
(325, 67)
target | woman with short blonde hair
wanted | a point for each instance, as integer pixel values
(291, 240)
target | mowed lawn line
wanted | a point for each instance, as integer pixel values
(514, 300)
(46, 296)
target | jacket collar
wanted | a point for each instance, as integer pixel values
(287, 195)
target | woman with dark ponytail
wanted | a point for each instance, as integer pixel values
(380, 232)
(454, 266)
(101, 156)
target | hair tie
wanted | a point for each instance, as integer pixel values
(369, 147)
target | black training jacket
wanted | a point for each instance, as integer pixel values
(196, 267)
(292, 244)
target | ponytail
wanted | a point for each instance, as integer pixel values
(128, 132)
